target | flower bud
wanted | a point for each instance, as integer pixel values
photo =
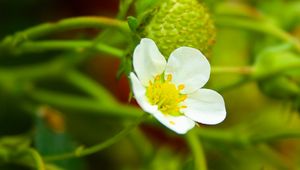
(279, 74)
(176, 23)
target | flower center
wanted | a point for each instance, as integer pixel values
(166, 95)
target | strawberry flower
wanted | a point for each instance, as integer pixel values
(172, 90)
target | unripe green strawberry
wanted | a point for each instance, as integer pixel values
(176, 23)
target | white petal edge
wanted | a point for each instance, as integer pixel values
(205, 106)
(178, 124)
(139, 92)
(188, 66)
(148, 62)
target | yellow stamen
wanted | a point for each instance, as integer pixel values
(182, 97)
(171, 122)
(157, 77)
(181, 87)
(169, 77)
(166, 95)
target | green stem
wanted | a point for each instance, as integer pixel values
(123, 8)
(228, 136)
(142, 144)
(37, 158)
(240, 138)
(252, 72)
(80, 152)
(78, 45)
(90, 87)
(66, 24)
(197, 149)
(233, 85)
(259, 26)
(50, 68)
(81, 104)
(268, 137)
(247, 70)
(258, 75)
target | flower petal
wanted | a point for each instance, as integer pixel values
(188, 66)
(205, 106)
(139, 92)
(179, 124)
(148, 62)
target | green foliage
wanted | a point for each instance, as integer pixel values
(69, 67)
(279, 81)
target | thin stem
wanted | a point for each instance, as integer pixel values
(239, 138)
(82, 104)
(196, 148)
(37, 158)
(50, 68)
(141, 143)
(228, 136)
(267, 137)
(80, 152)
(78, 45)
(90, 87)
(68, 24)
(22, 157)
(265, 74)
(247, 70)
(259, 26)
(252, 72)
(234, 85)
(123, 8)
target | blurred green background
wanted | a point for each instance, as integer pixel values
(58, 100)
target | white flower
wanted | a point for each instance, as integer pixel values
(171, 91)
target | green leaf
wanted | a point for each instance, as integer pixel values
(133, 23)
